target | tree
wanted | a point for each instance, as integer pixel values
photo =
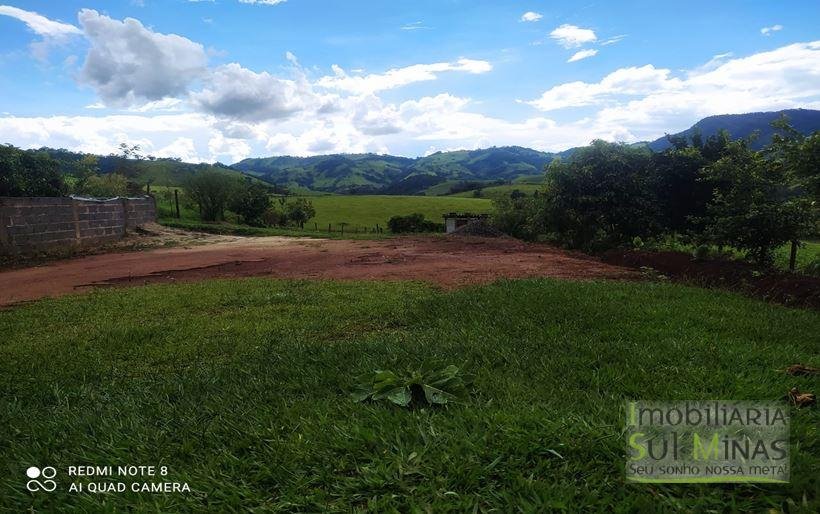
(300, 211)
(797, 155)
(250, 200)
(603, 196)
(754, 208)
(211, 191)
(105, 186)
(29, 173)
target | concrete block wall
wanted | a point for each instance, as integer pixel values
(32, 225)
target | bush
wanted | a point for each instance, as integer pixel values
(250, 201)
(413, 223)
(812, 267)
(300, 211)
(29, 173)
(601, 198)
(517, 217)
(211, 190)
(105, 186)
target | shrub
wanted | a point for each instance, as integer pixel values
(412, 223)
(105, 186)
(250, 200)
(300, 211)
(211, 190)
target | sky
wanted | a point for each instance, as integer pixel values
(222, 80)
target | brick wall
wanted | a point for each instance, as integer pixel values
(30, 225)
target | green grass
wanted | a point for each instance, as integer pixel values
(241, 389)
(362, 212)
(370, 210)
(505, 190)
(808, 252)
(234, 229)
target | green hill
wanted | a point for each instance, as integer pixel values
(370, 173)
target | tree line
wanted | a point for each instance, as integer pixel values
(703, 191)
(215, 192)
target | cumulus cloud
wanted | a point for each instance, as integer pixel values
(531, 16)
(767, 31)
(571, 36)
(398, 77)
(52, 32)
(625, 81)
(582, 54)
(648, 100)
(236, 92)
(128, 62)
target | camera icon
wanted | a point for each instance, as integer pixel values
(41, 479)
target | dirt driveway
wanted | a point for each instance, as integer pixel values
(447, 261)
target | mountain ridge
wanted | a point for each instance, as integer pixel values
(375, 173)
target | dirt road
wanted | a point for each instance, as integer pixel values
(447, 261)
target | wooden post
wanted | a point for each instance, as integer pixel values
(793, 256)
(148, 188)
(328, 228)
(176, 200)
(316, 227)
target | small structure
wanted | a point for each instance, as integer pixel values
(455, 220)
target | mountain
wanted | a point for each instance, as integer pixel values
(370, 173)
(741, 126)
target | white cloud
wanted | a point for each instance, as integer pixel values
(128, 62)
(612, 40)
(642, 103)
(53, 33)
(398, 77)
(416, 25)
(40, 24)
(262, 2)
(625, 81)
(571, 36)
(239, 93)
(531, 16)
(767, 31)
(582, 54)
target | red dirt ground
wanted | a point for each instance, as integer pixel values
(774, 286)
(447, 261)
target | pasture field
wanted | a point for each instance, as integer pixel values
(499, 191)
(356, 211)
(241, 388)
(370, 210)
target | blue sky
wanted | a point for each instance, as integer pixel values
(227, 79)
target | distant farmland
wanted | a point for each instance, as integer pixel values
(371, 210)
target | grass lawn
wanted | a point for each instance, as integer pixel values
(241, 389)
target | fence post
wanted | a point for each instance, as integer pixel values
(793, 256)
(176, 200)
(328, 228)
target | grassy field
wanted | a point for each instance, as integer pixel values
(505, 190)
(370, 210)
(241, 389)
(356, 211)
